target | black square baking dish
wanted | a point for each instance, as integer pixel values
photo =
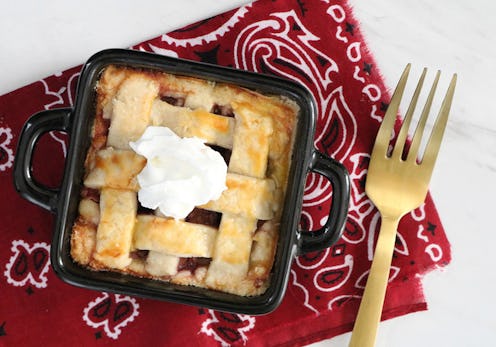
(63, 202)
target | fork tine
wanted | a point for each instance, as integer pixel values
(417, 137)
(400, 141)
(432, 148)
(384, 133)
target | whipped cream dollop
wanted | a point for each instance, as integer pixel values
(180, 173)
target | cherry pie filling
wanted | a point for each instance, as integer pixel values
(227, 244)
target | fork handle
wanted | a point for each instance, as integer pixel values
(369, 314)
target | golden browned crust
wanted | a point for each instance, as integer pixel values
(115, 168)
(83, 241)
(112, 233)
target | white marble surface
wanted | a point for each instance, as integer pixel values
(36, 40)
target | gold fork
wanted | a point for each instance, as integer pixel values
(396, 185)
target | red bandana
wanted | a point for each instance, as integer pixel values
(317, 43)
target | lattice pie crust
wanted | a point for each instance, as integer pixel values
(227, 244)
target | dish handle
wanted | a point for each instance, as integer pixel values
(24, 181)
(338, 176)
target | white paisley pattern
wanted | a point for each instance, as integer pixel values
(28, 264)
(219, 325)
(6, 152)
(112, 312)
(211, 36)
(64, 96)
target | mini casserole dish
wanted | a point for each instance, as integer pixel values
(230, 253)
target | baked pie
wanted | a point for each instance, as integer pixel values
(227, 244)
